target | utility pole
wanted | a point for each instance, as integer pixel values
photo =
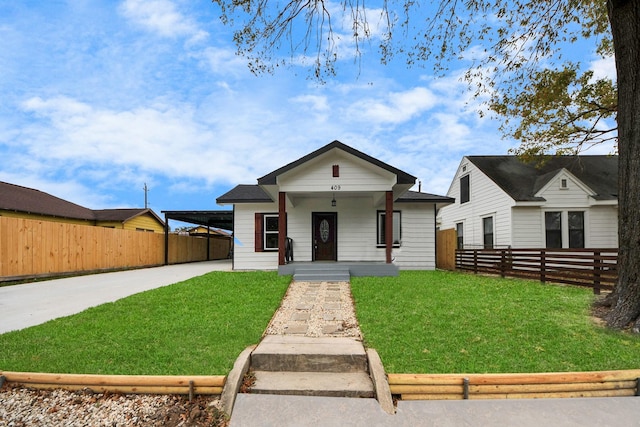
(146, 190)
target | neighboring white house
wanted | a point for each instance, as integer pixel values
(335, 204)
(567, 202)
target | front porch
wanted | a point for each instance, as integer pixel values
(341, 271)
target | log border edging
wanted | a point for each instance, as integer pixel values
(515, 386)
(135, 384)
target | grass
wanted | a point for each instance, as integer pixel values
(196, 327)
(419, 322)
(445, 322)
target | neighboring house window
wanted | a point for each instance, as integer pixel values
(576, 229)
(464, 189)
(487, 229)
(397, 236)
(553, 229)
(266, 232)
(460, 234)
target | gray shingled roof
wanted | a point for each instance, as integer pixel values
(403, 177)
(416, 197)
(522, 180)
(245, 193)
(28, 200)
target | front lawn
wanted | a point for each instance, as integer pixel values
(196, 327)
(419, 322)
(446, 322)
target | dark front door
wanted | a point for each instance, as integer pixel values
(325, 242)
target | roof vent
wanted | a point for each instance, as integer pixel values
(563, 183)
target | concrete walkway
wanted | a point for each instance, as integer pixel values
(31, 304)
(255, 410)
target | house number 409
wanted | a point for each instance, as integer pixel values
(335, 187)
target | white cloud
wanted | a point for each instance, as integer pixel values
(604, 68)
(162, 17)
(395, 107)
(222, 60)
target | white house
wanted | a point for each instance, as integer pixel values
(335, 205)
(567, 202)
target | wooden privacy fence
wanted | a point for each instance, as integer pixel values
(446, 243)
(36, 248)
(595, 268)
(134, 384)
(514, 386)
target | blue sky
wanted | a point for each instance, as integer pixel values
(100, 97)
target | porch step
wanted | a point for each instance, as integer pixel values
(289, 353)
(328, 273)
(354, 384)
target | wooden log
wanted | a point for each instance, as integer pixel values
(125, 389)
(428, 389)
(431, 396)
(558, 395)
(115, 380)
(425, 379)
(551, 388)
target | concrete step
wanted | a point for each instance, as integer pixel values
(322, 277)
(357, 384)
(292, 353)
(319, 274)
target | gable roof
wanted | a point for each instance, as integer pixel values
(521, 181)
(403, 177)
(22, 199)
(123, 215)
(245, 193)
(28, 200)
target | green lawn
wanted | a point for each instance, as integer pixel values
(196, 327)
(418, 322)
(445, 322)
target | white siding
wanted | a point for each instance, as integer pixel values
(603, 227)
(244, 255)
(486, 199)
(417, 251)
(528, 227)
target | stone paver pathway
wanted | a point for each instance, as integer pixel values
(316, 309)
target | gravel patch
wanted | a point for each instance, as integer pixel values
(22, 407)
(316, 309)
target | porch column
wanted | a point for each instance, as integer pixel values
(388, 225)
(282, 226)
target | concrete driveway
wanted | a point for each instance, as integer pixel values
(30, 304)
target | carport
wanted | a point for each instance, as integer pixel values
(209, 219)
